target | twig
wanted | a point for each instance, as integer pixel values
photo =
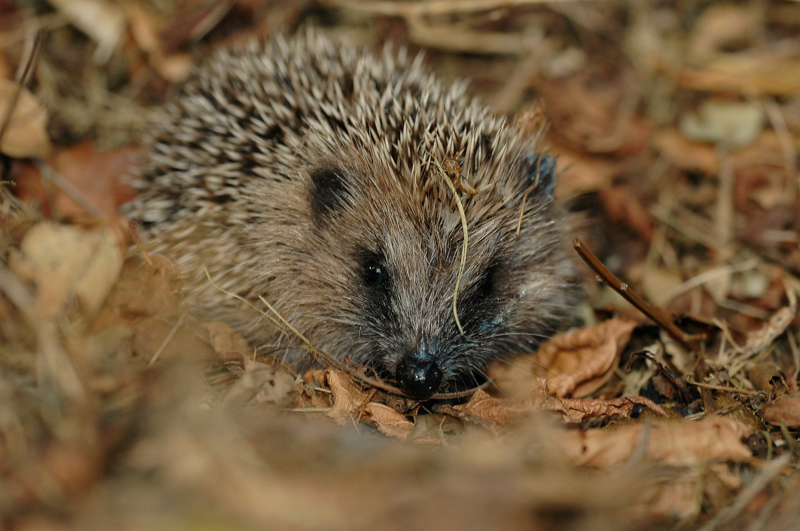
(138, 242)
(747, 392)
(23, 80)
(435, 8)
(659, 315)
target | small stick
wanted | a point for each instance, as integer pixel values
(139, 243)
(659, 315)
(23, 79)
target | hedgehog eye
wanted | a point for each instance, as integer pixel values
(374, 274)
(484, 288)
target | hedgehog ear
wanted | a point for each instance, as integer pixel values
(542, 172)
(329, 191)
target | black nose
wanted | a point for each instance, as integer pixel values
(418, 377)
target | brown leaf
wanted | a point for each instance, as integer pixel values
(581, 361)
(388, 421)
(686, 154)
(763, 375)
(262, 383)
(577, 362)
(98, 175)
(577, 410)
(785, 410)
(498, 411)
(673, 444)
(624, 207)
(348, 398)
(26, 134)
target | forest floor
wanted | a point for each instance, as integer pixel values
(676, 127)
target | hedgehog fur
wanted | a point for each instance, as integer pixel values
(307, 172)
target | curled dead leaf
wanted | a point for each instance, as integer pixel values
(579, 362)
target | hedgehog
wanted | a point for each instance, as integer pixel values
(312, 174)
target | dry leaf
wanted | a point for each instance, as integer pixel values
(348, 398)
(732, 123)
(26, 134)
(388, 421)
(102, 21)
(577, 410)
(580, 361)
(763, 375)
(65, 261)
(785, 410)
(497, 411)
(577, 362)
(719, 26)
(673, 444)
(226, 340)
(173, 68)
(760, 339)
(262, 384)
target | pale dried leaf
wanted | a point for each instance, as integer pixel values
(65, 261)
(26, 134)
(760, 339)
(102, 21)
(734, 124)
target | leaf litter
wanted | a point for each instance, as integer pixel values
(118, 408)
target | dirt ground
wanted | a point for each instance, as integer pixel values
(676, 127)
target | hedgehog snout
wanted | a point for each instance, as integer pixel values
(418, 374)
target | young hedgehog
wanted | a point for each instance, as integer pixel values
(311, 173)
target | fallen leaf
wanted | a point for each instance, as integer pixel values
(763, 375)
(225, 339)
(348, 398)
(98, 175)
(102, 21)
(721, 25)
(622, 206)
(760, 339)
(388, 421)
(63, 261)
(497, 411)
(577, 410)
(732, 123)
(26, 133)
(262, 383)
(785, 410)
(580, 361)
(673, 444)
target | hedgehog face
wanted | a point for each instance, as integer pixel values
(402, 256)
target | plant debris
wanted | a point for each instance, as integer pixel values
(674, 402)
